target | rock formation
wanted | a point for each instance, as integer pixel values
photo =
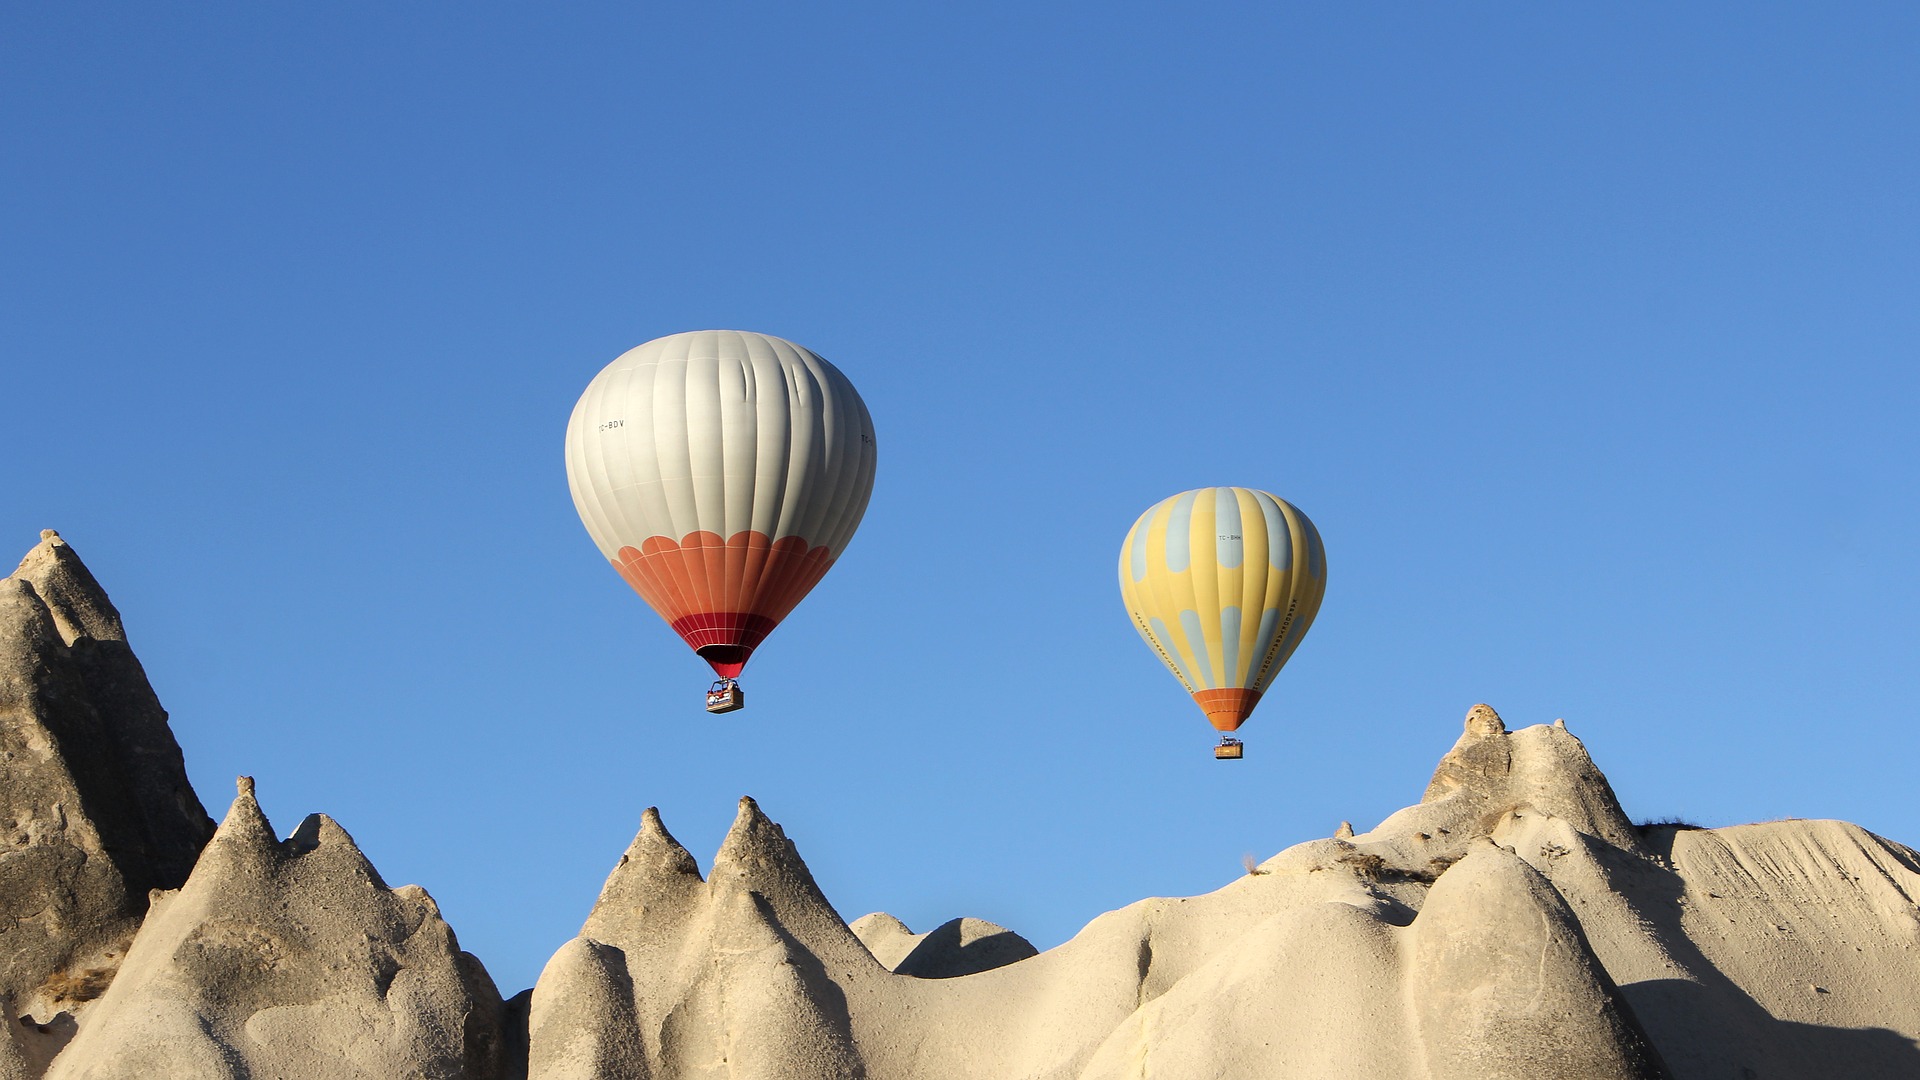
(140, 942)
(743, 974)
(954, 948)
(290, 959)
(1247, 981)
(95, 808)
(1513, 924)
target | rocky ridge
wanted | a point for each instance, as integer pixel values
(1513, 923)
(290, 958)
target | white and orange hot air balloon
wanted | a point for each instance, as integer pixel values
(721, 472)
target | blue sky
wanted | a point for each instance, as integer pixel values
(1586, 338)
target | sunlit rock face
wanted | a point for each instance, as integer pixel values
(138, 941)
(1334, 959)
(1512, 924)
(290, 958)
(745, 973)
(95, 810)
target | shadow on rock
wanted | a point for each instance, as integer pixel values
(1708, 1026)
(1787, 1050)
(964, 947)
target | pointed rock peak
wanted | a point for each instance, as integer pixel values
(245, 829)
(654, 865)
(757, 856)
(306, 837)
(656, 851)
(78, 604)
(332, 840)
(333, 833)
(1345, 831)
(1479, 759)
(653, 887)
(1482, 721)
(328, 851)
(754, 841)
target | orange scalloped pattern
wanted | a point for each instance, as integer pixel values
(723, 596)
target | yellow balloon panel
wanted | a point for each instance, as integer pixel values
(1222, 583)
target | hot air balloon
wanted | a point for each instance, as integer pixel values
(721, 472)
(1223, 583)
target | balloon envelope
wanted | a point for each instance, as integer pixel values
(721, 472)
(1222, 583)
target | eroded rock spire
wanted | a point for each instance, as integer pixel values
(96, 797)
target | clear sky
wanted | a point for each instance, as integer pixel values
(1586, 336)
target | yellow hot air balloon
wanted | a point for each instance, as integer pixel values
(1223, 583)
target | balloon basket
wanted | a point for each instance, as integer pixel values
(1230, 749)
(725, 696)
